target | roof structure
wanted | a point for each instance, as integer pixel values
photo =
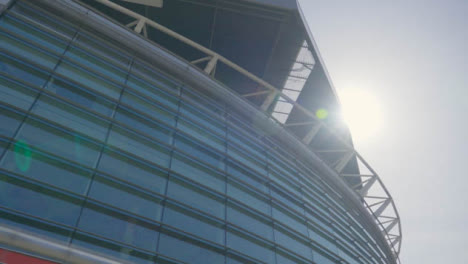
(264, 51)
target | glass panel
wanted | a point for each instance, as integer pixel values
(89, 80)
(69, 146)
(21, 71)
(284, 183)
(27, 51)
(38, 201)
(193, 223)
(154, 77)
(293, 243)
(105, 49)
(151, 91)
(132, 143)
(199, 199)
(246, 160)
(140, 123)
(195, 114)
(97, 65)
(247, 143)
(71, 117)
(22, 159)
(247, 176)
(34, 227)
(249, 246)
(180, 248)
(248, 197)
(288, 201)
(148, 108)
(250, 222)
(33, 34)
(9, 121)
(238, 260)
(126, 198)
(202, 135)
(320, 257)
(44, 19)
(115, 251)
(197, 172)
(284, 258)
(119, 227)
(287, 218)
(204, 103)
(133, 171)
(80, 96)
(16, 94)
(200, 152)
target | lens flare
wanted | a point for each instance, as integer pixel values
(321, 113)
(362, 112)
(22, 155)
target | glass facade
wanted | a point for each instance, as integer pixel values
(102, 151)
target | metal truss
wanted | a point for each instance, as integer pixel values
(368, 185)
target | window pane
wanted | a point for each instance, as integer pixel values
(140, 123)
(126, 198)
(147, 108)
(21, 71)
(248, 197)
(71, 117)
(202, 135)
(199, 199)
(133, 171)
(153, 92)
(9, 121)
(101, 246)
(104, 49)
(247, 176)
(248, 161)
(195, 114)
(27, 51)
(37, 201)
(154, 77)
(296, 245)
(16, 94)
(248, 246)
(64, 29)
(69, 146)
(119, 227)
(197, 172)
(24, 160)
(180, 248)
(80, 96)
(193, 223)
(249, 221)
(132, 143)
(34, 226)
(96, 64)
(33, 34)
(200, 152)
(288, 218)
(89, 80)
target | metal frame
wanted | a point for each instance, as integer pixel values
(373, 193)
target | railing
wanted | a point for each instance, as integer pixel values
(371, 189)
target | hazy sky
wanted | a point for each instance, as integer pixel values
(412, 56)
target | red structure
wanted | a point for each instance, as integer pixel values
(11, 257)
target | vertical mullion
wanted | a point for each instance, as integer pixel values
(103, 147)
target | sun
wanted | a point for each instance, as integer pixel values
(362, 112)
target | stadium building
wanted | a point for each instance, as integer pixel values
(178, 131)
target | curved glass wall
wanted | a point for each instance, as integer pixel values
(102, 151)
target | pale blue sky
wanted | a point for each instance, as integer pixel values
(412, 55)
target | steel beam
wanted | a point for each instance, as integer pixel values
(153, 3)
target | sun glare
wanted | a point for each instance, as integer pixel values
(362, 112)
